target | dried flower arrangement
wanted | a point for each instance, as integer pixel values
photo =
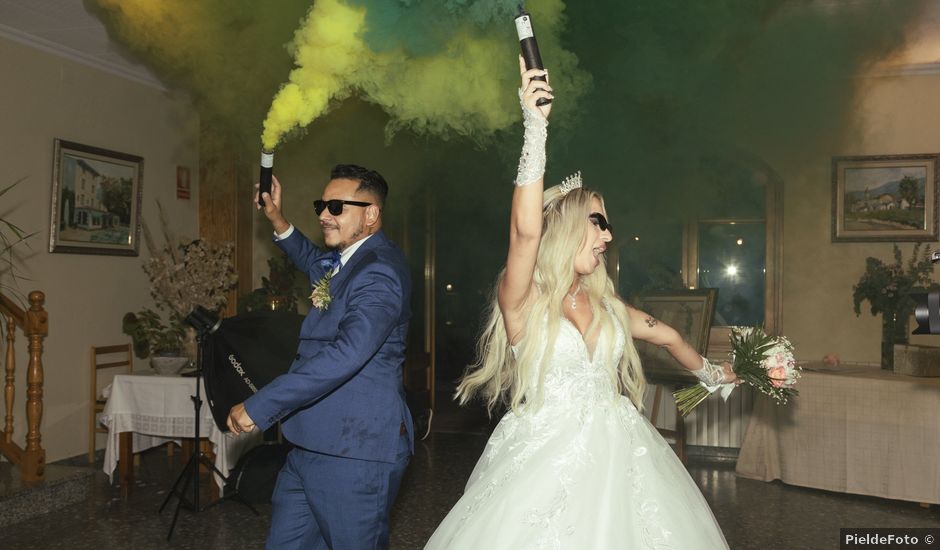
(183, 274)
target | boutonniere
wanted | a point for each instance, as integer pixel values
(320, 297)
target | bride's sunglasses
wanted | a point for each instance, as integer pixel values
(600, 221)
(335, 206)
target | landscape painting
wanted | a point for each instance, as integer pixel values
(885, 198)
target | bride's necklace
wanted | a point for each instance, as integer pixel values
(574, 297)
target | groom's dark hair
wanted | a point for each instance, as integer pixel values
(370, 181)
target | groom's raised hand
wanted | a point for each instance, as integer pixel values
(272, 206)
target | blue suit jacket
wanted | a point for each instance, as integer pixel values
(343, 394)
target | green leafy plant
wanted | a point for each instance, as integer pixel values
(279, 291)
(887, 287)
(11, 236)
(151, 336)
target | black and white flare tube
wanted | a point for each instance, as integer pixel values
(267, 168)
(530, 47)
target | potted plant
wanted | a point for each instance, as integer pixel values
(887, 289)
(151, 336)
(279, 291)
(184, 273)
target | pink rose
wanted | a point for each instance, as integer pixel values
(778, 376)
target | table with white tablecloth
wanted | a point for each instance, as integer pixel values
(156, 409)
(852, 429)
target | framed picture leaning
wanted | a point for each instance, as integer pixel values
(690, 312)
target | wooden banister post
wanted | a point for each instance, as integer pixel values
(37, 327)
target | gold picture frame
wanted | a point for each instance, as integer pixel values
(885, 198)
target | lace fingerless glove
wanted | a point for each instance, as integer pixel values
(532, 161)
(711, 375)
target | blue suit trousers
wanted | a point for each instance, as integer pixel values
(325, 502)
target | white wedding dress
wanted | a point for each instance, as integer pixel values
(586, 471)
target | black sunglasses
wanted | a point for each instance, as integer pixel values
(335, 206)
(600, 221)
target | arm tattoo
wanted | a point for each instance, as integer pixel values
(650, 322)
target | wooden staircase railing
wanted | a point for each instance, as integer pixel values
(34, 323)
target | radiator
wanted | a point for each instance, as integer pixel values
(714, 423)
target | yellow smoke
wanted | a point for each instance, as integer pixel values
(464, 88)
(227, 54)
(327, 48)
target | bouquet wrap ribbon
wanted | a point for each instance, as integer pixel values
(726, 389)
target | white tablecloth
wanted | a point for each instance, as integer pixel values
(159, 409)
(852, 429)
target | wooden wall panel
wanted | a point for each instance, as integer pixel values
(225, 213)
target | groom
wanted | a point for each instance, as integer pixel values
(342, 403)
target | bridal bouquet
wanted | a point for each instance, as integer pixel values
(763, 361)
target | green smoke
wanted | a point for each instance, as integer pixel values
(684, 98)
(678, 83)
(435, 67)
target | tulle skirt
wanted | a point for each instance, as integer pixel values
(598, 477)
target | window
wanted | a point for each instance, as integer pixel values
(739, 254)
(731, 242)
(732, 258)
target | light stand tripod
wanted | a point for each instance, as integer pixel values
(205, 323)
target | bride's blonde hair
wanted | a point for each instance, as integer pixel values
(501, 377)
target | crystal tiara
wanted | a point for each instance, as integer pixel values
(570, 183)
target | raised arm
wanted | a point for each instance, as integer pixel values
(272, 206)
(298, 247)
(525, 223)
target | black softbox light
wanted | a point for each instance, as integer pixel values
(244, 354)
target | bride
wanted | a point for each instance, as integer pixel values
(573, 464)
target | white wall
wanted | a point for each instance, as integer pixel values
(43, 97)
(896, 115)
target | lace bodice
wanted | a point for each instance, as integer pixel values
(572, 374)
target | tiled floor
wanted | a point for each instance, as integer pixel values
(752, 514)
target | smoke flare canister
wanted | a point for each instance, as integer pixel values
(267, 166)
(530, 48)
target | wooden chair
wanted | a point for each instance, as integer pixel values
(103, 357)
